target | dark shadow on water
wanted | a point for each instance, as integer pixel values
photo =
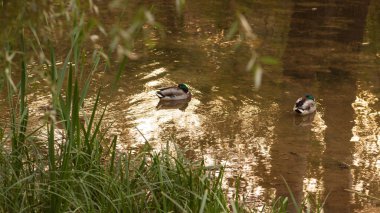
(179, 104)
(303, 121)
(319, 30)
(339, 120)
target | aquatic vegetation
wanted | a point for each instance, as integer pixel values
(82, 171)
(86, 173)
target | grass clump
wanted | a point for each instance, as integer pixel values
(82, 171)
(85, 173)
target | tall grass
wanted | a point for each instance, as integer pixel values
(77, 178)
(85, 173)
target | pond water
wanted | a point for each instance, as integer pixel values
(330, 49)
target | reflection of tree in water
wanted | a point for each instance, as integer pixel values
(327, 28)
(322, 40)
(338, 117)
(373, 28)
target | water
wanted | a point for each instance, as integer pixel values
(330, 49)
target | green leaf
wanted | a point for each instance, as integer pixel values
(268, 60)
(233, 30)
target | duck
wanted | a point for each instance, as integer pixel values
(175, 93)
(305, 105)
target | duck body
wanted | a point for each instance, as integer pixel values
(305, 105)
(180, 92)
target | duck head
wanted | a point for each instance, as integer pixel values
(183, 87)
(309, 97)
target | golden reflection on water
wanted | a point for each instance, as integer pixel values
(154, 122)
(148, 120)
(237, 136)
(245, 153)
(319, 128)
(366, 139)
(313, 183)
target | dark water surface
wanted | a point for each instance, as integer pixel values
(328, 48)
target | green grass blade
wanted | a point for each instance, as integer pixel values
(204, 200)
(113, 154)
(174, 202)
(292, 196)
